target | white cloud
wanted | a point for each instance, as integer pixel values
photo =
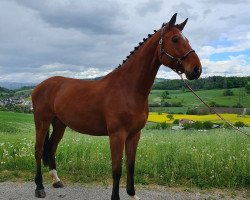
(55, 69)
(235, 66)
(80, 38)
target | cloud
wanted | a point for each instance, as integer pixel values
(97, 17)
(224, 2)
(185, 9)
(49, 70)
(229, 17)
(240, 43)
(235, 66)
(61, 37)
(143, 8)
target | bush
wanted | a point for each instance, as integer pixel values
(212, 104)
(174, 104)
(227, 126)
(247, 87)
(187, 126)
(165, 95)
(154, 105)
(158, 126)
(191, 111)
(228, 93)
(238, 105)
(177, 104)
(176, 121)
(164, 125)
(155, 126)
(239, 124)
(170, 116)
(207, 125)
(197, 125)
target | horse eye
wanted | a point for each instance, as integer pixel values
(174, 39)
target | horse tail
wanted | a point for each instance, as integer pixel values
(46, 150)
(47, 144)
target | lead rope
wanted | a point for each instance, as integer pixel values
(211, 109)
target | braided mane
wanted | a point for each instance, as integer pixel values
(136, 48)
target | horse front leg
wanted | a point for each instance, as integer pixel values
(117, 141)
(131, 147)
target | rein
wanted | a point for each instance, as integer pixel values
(174, 59)
(211, 109)
(178, 71)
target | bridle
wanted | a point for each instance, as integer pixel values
(177, 60)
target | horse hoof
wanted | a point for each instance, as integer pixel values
(40, 193)
(58, 184)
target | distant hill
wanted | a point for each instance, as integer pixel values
(4, 90)
(15, 85)
(213, 82)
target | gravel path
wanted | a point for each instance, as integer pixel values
(25, 191)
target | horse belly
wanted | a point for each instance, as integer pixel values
(84, 122)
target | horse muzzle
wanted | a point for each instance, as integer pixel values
(194, 74)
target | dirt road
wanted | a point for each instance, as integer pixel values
(25, 191)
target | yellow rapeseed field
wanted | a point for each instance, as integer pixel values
(155, 117)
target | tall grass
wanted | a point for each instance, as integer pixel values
(216, 158)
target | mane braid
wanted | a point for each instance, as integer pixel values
(136, 48)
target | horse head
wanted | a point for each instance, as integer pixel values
(176, 52)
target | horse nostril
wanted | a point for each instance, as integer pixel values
(196, 70)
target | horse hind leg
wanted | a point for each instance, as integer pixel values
(55, 138)
(130, 149)
(42, 128)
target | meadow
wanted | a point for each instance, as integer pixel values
(187, 99)
(213, 159)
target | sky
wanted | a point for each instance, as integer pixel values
(86, 39)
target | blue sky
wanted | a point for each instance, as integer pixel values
(227, 55)
(223, 43)
(84, 39)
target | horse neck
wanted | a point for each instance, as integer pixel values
(141, 68)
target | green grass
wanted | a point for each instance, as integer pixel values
(189, 100)
(216, 158)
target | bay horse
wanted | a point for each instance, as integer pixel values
(114, 106)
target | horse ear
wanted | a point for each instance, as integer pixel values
(172, 21)
(182, 25)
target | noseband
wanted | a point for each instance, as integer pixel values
(177, 60)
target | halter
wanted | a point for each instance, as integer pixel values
(174, 59)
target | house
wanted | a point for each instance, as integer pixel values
(185, 121)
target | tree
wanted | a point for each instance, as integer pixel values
(228, 93)
(170, 116)
(247, 87)
(165, 95)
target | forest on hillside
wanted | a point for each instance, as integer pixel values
(213, 82)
